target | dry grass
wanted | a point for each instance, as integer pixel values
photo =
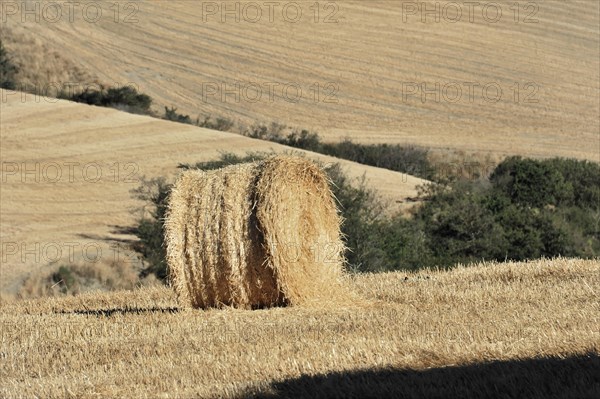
(83, 277)
(471, 165)
(255, 235)
(483, 331)
(44, 68)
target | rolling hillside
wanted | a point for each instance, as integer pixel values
(521, 78)
(501, 79)
(68, 170)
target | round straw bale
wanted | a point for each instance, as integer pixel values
(255, 235)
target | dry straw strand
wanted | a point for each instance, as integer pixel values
(255, 235)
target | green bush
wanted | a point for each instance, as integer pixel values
(531, 183)
(304, 140)
(466, 221)
(221, 124)
(463, 221)
(405, 159)
(150, 229)
(458, 225)
(172, 115)
(8, 70)
(529, 209)
(551, 182)
(262, 131)
(64, 276)
(409, 159)
(361, 211)
(582, 179)
(125, 98)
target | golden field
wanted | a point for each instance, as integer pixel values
(68, 170)
(371, 71)
(491, 330)
(176, 50)
(517, 78)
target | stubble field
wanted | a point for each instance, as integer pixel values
(507, 78)
(371, 72)
(492, 330)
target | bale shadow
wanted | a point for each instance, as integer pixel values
(553, 377)
(121, 311)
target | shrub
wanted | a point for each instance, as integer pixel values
(461, 221)
(529, 209)
(221, 124)
(458, 225)
(405, 159)
(150, 229)
(405, 245)
(262, 131)
(8, 70)
(532, 183)
(551, 205)
(584, 179)
(125, 98)
(64, 276)
(410, 159)
(304, 140)
(361, 210)
(172, 115)
(555, 182)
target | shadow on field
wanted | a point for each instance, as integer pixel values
(573, 377)
(123, 311)
(116, 230)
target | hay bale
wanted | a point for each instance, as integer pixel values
(255, 235)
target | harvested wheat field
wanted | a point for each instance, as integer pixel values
(492, 330)
(68, 170)
(256, 235)
(508, 77)
(245, 315)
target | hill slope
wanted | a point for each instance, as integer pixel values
(68, 169)
(504, 80)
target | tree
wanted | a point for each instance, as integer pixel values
(459, 225)
(532, 183)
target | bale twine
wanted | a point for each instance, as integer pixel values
(255, 235)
